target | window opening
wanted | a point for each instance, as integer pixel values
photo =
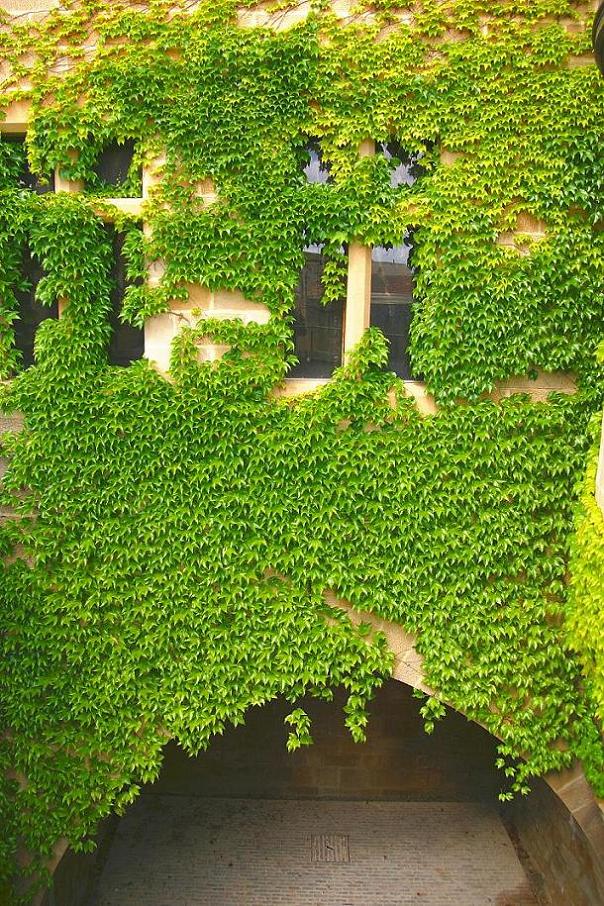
(114, 163)
(127, 343)
(27, 179)
(392, 302)
(404, 167)
(316, 169)
(392, 273)
(318, 328)
(31, 312)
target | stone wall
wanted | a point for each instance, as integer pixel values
(77, 873)
(398, 761)
(18, 7)
(564, 865)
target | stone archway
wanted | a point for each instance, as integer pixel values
(562, 802)
(246, 780)
(559, 826)
(245, 822)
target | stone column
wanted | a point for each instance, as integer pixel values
(358, 290)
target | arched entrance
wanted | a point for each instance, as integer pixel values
(440, 790)
(403, 818)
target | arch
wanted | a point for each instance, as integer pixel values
(251, 763)
(569, 786)
(582, 823)
(400, 770)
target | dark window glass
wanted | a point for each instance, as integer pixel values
(317, 327)
(31, 313)
(392, 303)
(405, 167)
(315, 169)
(27, 180)
(114, 162)
(127, 342)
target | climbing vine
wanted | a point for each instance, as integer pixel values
(173, 542)
(585, 610)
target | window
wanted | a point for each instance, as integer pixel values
(318, 328)
(392, 303)
(127, 342)
(392, 273)
(315, 169)
(26, 179)
(405, 168)
(115, 162)
(31, 313)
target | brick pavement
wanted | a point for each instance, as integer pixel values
(185, 851)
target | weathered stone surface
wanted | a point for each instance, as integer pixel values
(18, 7)
(398, 761)
(233, 852)
(570, 866)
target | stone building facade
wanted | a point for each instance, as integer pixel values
(544, 826)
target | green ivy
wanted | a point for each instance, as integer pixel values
(173, 541)
(585, 609)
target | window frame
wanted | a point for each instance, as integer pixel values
(16, 123)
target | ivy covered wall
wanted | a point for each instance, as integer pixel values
(585, 610)
(173, 540)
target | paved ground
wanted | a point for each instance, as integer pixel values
(179, 851)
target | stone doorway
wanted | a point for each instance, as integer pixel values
(404, 818)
